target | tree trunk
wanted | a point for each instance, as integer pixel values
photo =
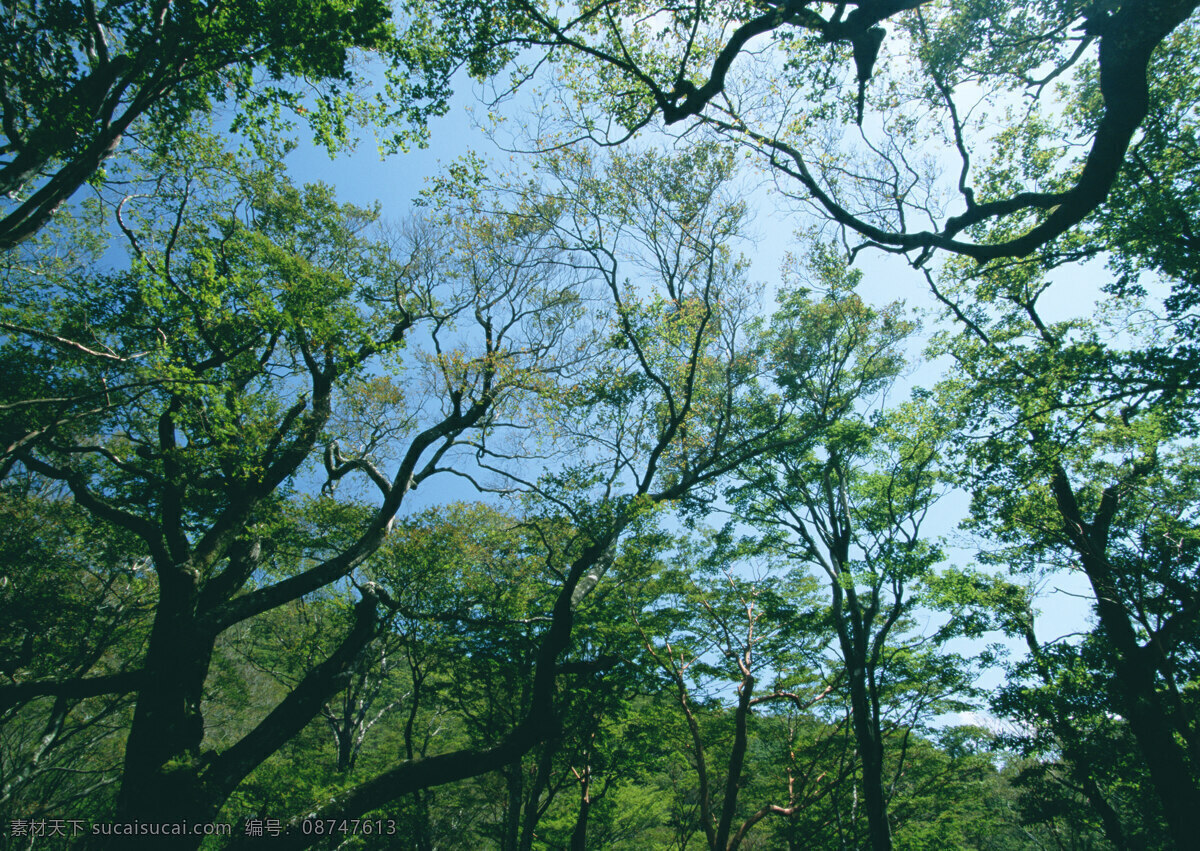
(512, 808)
(870, 748)
(579, 833)
(737, 758)
(533, 808)
(345, 748)
(1170, 771)
(852, 630)
(1150, 717)
(161, 782)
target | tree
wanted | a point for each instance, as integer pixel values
(471, 585)
(1061, 697)
(1078, 463)
(245, 341)
(774, 76)
(226, 348)
(84, 74)
(207, 453)
(850, 501)
(762, 635)
(669, 406)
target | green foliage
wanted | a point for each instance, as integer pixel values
(85, 74)
(219, 603)
(76, 598)
(1149, 223)
(1082, 460)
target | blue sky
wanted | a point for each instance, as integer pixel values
(363, 177)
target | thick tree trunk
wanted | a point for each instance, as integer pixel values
(33, 214)
(870, 748)
(161, 783)
(167, 780)
(1170, 770)
(53, 138)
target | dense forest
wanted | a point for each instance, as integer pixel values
(524, 513)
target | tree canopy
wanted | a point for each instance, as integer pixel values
(83, 75)
(528, 515)
(799, 81)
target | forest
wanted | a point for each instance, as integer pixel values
(536, 508)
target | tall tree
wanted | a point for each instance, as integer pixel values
(251, 332)
(250, 309)
(669, 406)
(1080, 461)
(851, 500)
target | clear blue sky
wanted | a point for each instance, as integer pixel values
(362, 177)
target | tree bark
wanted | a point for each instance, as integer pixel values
(870, 747)
(161, 779)
(579, 832)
